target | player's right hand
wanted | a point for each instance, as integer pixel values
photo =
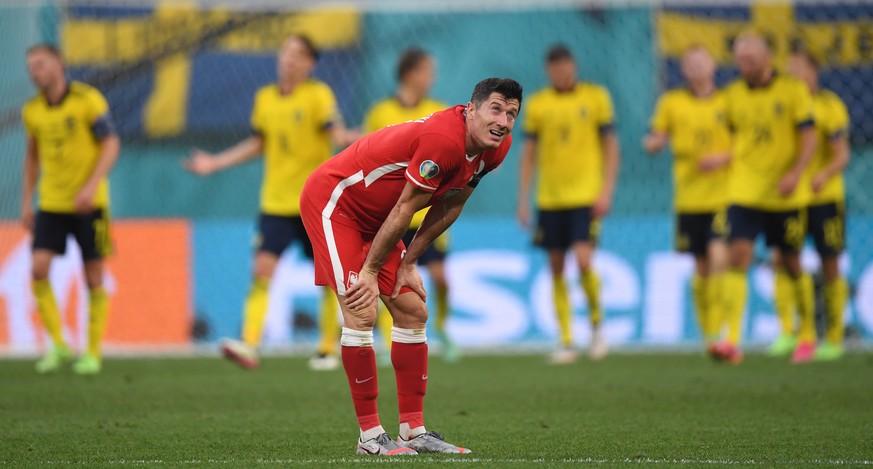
(27, 216)
(364, 293)
(200, 163)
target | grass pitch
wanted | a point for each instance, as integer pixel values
(669, 409)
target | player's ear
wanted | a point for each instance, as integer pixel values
(470, 107)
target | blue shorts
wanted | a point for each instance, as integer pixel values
(694, 231)
(90, 230)
(559, 229)
(827, 225)
(436, 252)
(783, 229)
(276, 233)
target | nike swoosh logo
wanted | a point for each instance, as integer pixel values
(359, 381)
(424, 377)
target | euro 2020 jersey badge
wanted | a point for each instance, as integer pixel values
(428, 169)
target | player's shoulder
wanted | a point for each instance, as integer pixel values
(430, 105)
(267, 91)
(829, 97)
(383, 105)
(317, 85)
(36, 101)
(789, 83)
(77, 88)
(737, 85)
(676, 94)
(591, 87)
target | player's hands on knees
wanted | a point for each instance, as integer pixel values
(364, 292)
(408, 276)
(27, 216)
(200, 163)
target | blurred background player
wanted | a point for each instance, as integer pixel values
(294, 122)
(71, 147)
(415, 74)
(692, 119)
(825, 215)
(356, 208)
(571, 143)
(774, 140)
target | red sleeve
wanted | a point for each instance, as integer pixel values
(434, 159)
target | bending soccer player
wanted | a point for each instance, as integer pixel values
(415, 71)
(771, 116)
(826, 218)
(71, 147)
(292, 149)
(357, 206)
(571, 143)
(691, 118)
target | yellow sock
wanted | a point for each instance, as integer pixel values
(563, 309)
(98, 312)
(735, 287)
(836, 294)
(385, 322)
(48, 311)
(804, 295)
(783, 300)
(255, 313)
(328, 323)
(715, 307)
(700, 293)
(442, 308)
(591, 286)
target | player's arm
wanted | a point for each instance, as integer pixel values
(658, 136)
(714, 161)
(110, 148)
(439, 218)
(807, 143)
(525, 177)
(609, 143)
(840, 151)
(31, 175)
(204, 163)
(365, 291)
(342, 136)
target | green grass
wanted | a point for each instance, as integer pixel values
(511, 410)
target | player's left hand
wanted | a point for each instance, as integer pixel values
(601, 206)
(788, 183)
(364, 292)
(408, 276)
(818, 182)
(84, 201)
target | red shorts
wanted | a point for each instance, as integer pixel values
(339, 252)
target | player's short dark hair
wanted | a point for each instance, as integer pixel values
(509, 88)
(410, 59)
(45, 47)
(311, 50)
(558, 52)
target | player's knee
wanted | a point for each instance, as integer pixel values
(39, 270)
(364, 319)
(410, 316)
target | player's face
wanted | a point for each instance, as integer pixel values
(799, 66)
(294, 62)
(562, 73)
(490, 122)
(752, 58)
(422, 77)
(44, 68)
(698, 65)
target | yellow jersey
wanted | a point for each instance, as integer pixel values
(697, 129)
(391, 111)
(66, 145)
(568, 127)
(295, 128)
(831, 122)
(765, 121)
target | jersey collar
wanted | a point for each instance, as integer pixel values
(765, 85)
(60, 101)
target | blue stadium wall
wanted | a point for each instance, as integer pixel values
(501, 282)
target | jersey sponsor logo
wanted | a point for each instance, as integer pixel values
(428, 169)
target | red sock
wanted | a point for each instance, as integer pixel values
(360, 366)
(410, 368)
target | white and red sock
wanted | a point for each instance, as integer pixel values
(409, 357)
(359, 361)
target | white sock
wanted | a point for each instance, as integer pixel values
(372, 433)
(409, 433)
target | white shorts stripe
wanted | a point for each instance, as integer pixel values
(335, 261)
